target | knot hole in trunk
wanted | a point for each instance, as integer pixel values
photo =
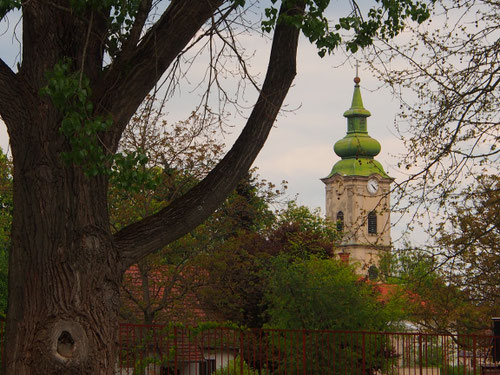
(65, 344)
(69, 342)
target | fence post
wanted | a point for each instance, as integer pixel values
(304, 352)
(465, 357)
(241, 351)
(176, 351)
(420, 353)
(363, 360)
(474, 364)
(2, 346)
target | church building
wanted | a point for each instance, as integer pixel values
(358, 193)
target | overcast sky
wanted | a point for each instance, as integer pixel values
(300, 147)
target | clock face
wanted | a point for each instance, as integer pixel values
(372, 186)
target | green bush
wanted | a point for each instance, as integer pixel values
(457, 370)
(234, 368)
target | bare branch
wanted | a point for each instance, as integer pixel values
(130, 79)
(451, 129)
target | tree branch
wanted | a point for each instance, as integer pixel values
(133, 74)
(185, 213)
(10, 95)
(135, 32)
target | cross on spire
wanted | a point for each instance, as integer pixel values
(357, 79)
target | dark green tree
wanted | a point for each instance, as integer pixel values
(327, 295)
(238, 268)
(237, 250)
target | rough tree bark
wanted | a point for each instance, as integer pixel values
(65, 265)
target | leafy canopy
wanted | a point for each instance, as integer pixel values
(325, 294)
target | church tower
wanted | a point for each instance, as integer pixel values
(358, 192)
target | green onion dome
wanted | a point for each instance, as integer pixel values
(356, 145)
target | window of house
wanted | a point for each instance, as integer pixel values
(340, 221)
(372, 223)
(207, 367)
(373, 272)
(169, 371)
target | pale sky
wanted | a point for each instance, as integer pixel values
(300, 147)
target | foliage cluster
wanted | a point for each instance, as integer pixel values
(381, 22)
(237, 366)
(70, 93)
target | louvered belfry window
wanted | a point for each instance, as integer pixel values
(340, 221)
(372, 223)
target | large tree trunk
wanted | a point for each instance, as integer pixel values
(65, 266)
(64, 272)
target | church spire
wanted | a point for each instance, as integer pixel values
(357, 149)
(357, 109)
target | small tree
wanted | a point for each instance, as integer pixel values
(160, 287)
(433, 301)
(470, 244)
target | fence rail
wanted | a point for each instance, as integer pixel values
(170, 350)
(161, 350)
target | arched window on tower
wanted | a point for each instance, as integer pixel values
(340, 221)
(372, 223)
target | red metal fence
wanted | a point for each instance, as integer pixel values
(166, 350)
(161, 350)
